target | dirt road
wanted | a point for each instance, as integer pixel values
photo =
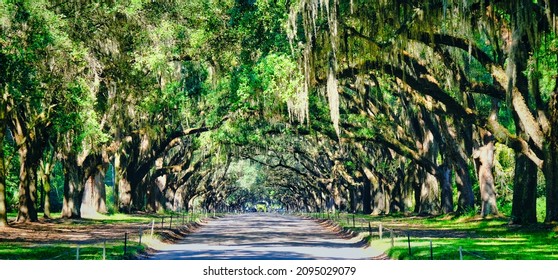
(258, 236)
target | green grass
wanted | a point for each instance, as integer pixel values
(61, 250)
(13, 215)
(119, 218)
(67, 251)
(491, 238)
(507, 246)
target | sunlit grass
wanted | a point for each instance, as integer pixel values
(114, 250)
(56, 215)
(119, 218)
(471, 249)
(491, 238)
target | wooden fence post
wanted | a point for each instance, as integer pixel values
(409, 242)
(431, 251)
(125, 243)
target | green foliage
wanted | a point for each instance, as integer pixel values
(280, 77)
(56, 187)
(12, 176)
(504, 171)
(544, 65)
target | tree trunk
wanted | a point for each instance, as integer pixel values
(27, 188)
(43, 174)
(3, 171)
(524, 206)
(366, 188)
(94, 192)
(353, 200)
(123, 189)
(550, 167)
(447, 192)
(73, 189)
(416, 183)
(465, 195)
(45, 193)
(429, 187)
(46, 205)
(456, 155)
(396, 203)
(485, 159)
(3, 208)
(154, 197)
(378, 197)
(169, 194)
(429, 195)
(408, 184)
(179, 198)
(138, 191)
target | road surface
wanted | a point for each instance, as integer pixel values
(264, 236)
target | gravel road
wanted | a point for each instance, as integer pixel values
(264, 236)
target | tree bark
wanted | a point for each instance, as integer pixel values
(447, 192)
(429, 187)
(352, 200)
(43, 175)
(366, 188)
(524, 206)
(138, 190)
(485, 160)
(123, 187)
(397, 203)
(550, 167)
(465, 195)
(429, 195)
(73, 189)
(179, 198)
(155, 196)
(378, 197)
(3, 173)
(456, 156)
(168, 196)
(94, 192)
(27, 187)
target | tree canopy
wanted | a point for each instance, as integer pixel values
(431, 106)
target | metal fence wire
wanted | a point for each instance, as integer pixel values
(132, 239)
(350, 222)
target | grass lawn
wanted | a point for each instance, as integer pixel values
(114, 250)
(59, 239)
(479, 239)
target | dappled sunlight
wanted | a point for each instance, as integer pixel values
(266, 237)
(265, 129)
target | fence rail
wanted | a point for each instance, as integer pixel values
(132, 240)
(350, 221)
